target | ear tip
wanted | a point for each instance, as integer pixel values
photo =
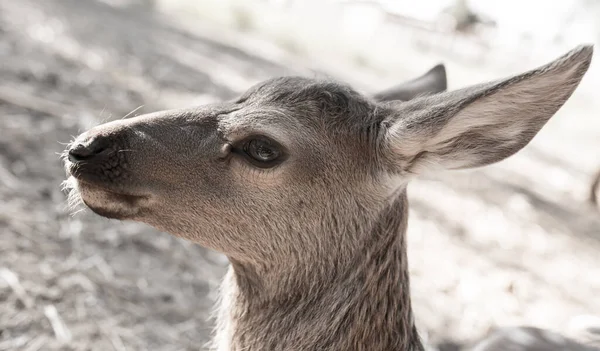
(439, 71)
(585, 49)
(578, 58)
(582, 53)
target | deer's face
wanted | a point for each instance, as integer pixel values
(298, 166)
(272, 167)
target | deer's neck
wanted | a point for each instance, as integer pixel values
(363, 304)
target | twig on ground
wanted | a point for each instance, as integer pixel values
(8, 179)
(13, 281)
(61, 332)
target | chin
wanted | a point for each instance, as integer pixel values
(104, 201)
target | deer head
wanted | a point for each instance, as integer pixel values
(216, 150)
(297, 174)
(272, 173)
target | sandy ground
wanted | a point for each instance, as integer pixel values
(510, 244)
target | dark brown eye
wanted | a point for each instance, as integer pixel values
(263, 152)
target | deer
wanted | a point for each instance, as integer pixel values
(594, 188)
(431, 82)
(302, 183)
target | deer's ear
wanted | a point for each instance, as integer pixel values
(482, 124)
(432, 82)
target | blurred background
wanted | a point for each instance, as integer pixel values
(516, 243)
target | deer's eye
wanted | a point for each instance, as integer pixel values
(263, 152)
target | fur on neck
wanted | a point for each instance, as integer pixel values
(362, 305)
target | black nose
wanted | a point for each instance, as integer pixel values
(87, 150)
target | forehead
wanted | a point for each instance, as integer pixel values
(294, 102)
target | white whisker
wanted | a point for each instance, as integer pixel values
(74, 200)
(133, 111)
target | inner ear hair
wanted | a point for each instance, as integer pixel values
(484, 123)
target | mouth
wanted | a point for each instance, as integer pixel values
(104, 199)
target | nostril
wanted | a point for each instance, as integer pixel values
(78, 153)
(86, 151)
